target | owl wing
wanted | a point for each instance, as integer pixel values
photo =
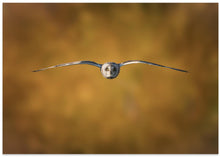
(150, 63)
(71, 63)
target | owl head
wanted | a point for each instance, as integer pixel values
(110, 70)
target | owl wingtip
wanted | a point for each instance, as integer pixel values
(35, 70)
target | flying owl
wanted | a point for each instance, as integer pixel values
(109, 70)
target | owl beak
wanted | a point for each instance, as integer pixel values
(111, 70)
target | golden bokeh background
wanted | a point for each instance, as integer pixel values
(146, 109)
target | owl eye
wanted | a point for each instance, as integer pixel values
(114, 69)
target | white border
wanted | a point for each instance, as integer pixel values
(93, 1)
(111, 1)
(1, 78)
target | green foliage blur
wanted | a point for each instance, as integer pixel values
(74, 109)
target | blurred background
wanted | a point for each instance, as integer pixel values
(146, 109)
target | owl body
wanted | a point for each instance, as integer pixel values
(110, 70)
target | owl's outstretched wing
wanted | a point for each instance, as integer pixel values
(145, 62)
(71, 63)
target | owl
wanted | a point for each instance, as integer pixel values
(109, 70)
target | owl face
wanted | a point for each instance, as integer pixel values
(110, 70)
